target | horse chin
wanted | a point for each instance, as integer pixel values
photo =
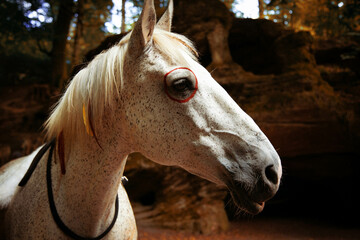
(244, 202)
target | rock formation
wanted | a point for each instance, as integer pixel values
(169, 197)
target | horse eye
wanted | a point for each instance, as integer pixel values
(182, 85)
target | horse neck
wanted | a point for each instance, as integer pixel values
(86, 194)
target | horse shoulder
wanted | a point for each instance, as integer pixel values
(10, 175)
(125, 225)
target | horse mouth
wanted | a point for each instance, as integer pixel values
(244, 201)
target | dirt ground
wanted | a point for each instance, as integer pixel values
(263, 229)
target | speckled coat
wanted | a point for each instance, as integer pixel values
(167, 107)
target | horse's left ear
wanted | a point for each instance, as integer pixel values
(166, 19)
(143, 30)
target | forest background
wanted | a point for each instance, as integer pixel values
(57, 34)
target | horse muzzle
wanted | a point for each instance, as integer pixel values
(252, 197)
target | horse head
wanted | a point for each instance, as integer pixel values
(172, 111)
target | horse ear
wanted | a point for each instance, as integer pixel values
(166, 19)
(143, 30)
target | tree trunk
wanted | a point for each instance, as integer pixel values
(123, 25)
(228, 3)
(61, 32)
(78, 33)
(261, 8)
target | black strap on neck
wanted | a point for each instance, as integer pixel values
(34, 163)
(54, 212)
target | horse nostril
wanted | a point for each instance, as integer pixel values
(271, 174)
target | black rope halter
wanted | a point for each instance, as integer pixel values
(66, 230)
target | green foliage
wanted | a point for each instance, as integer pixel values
(19, 29)
(96, 13)
(28, 30)
(20, 41)
(12, 19)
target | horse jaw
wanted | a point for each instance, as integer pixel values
(242, 156)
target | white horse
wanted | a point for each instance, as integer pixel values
(147, 94)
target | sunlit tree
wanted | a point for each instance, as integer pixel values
(261, 8)
(123, 16)
(322, 17)
(228, 3)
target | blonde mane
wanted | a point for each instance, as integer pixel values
(97, 85)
